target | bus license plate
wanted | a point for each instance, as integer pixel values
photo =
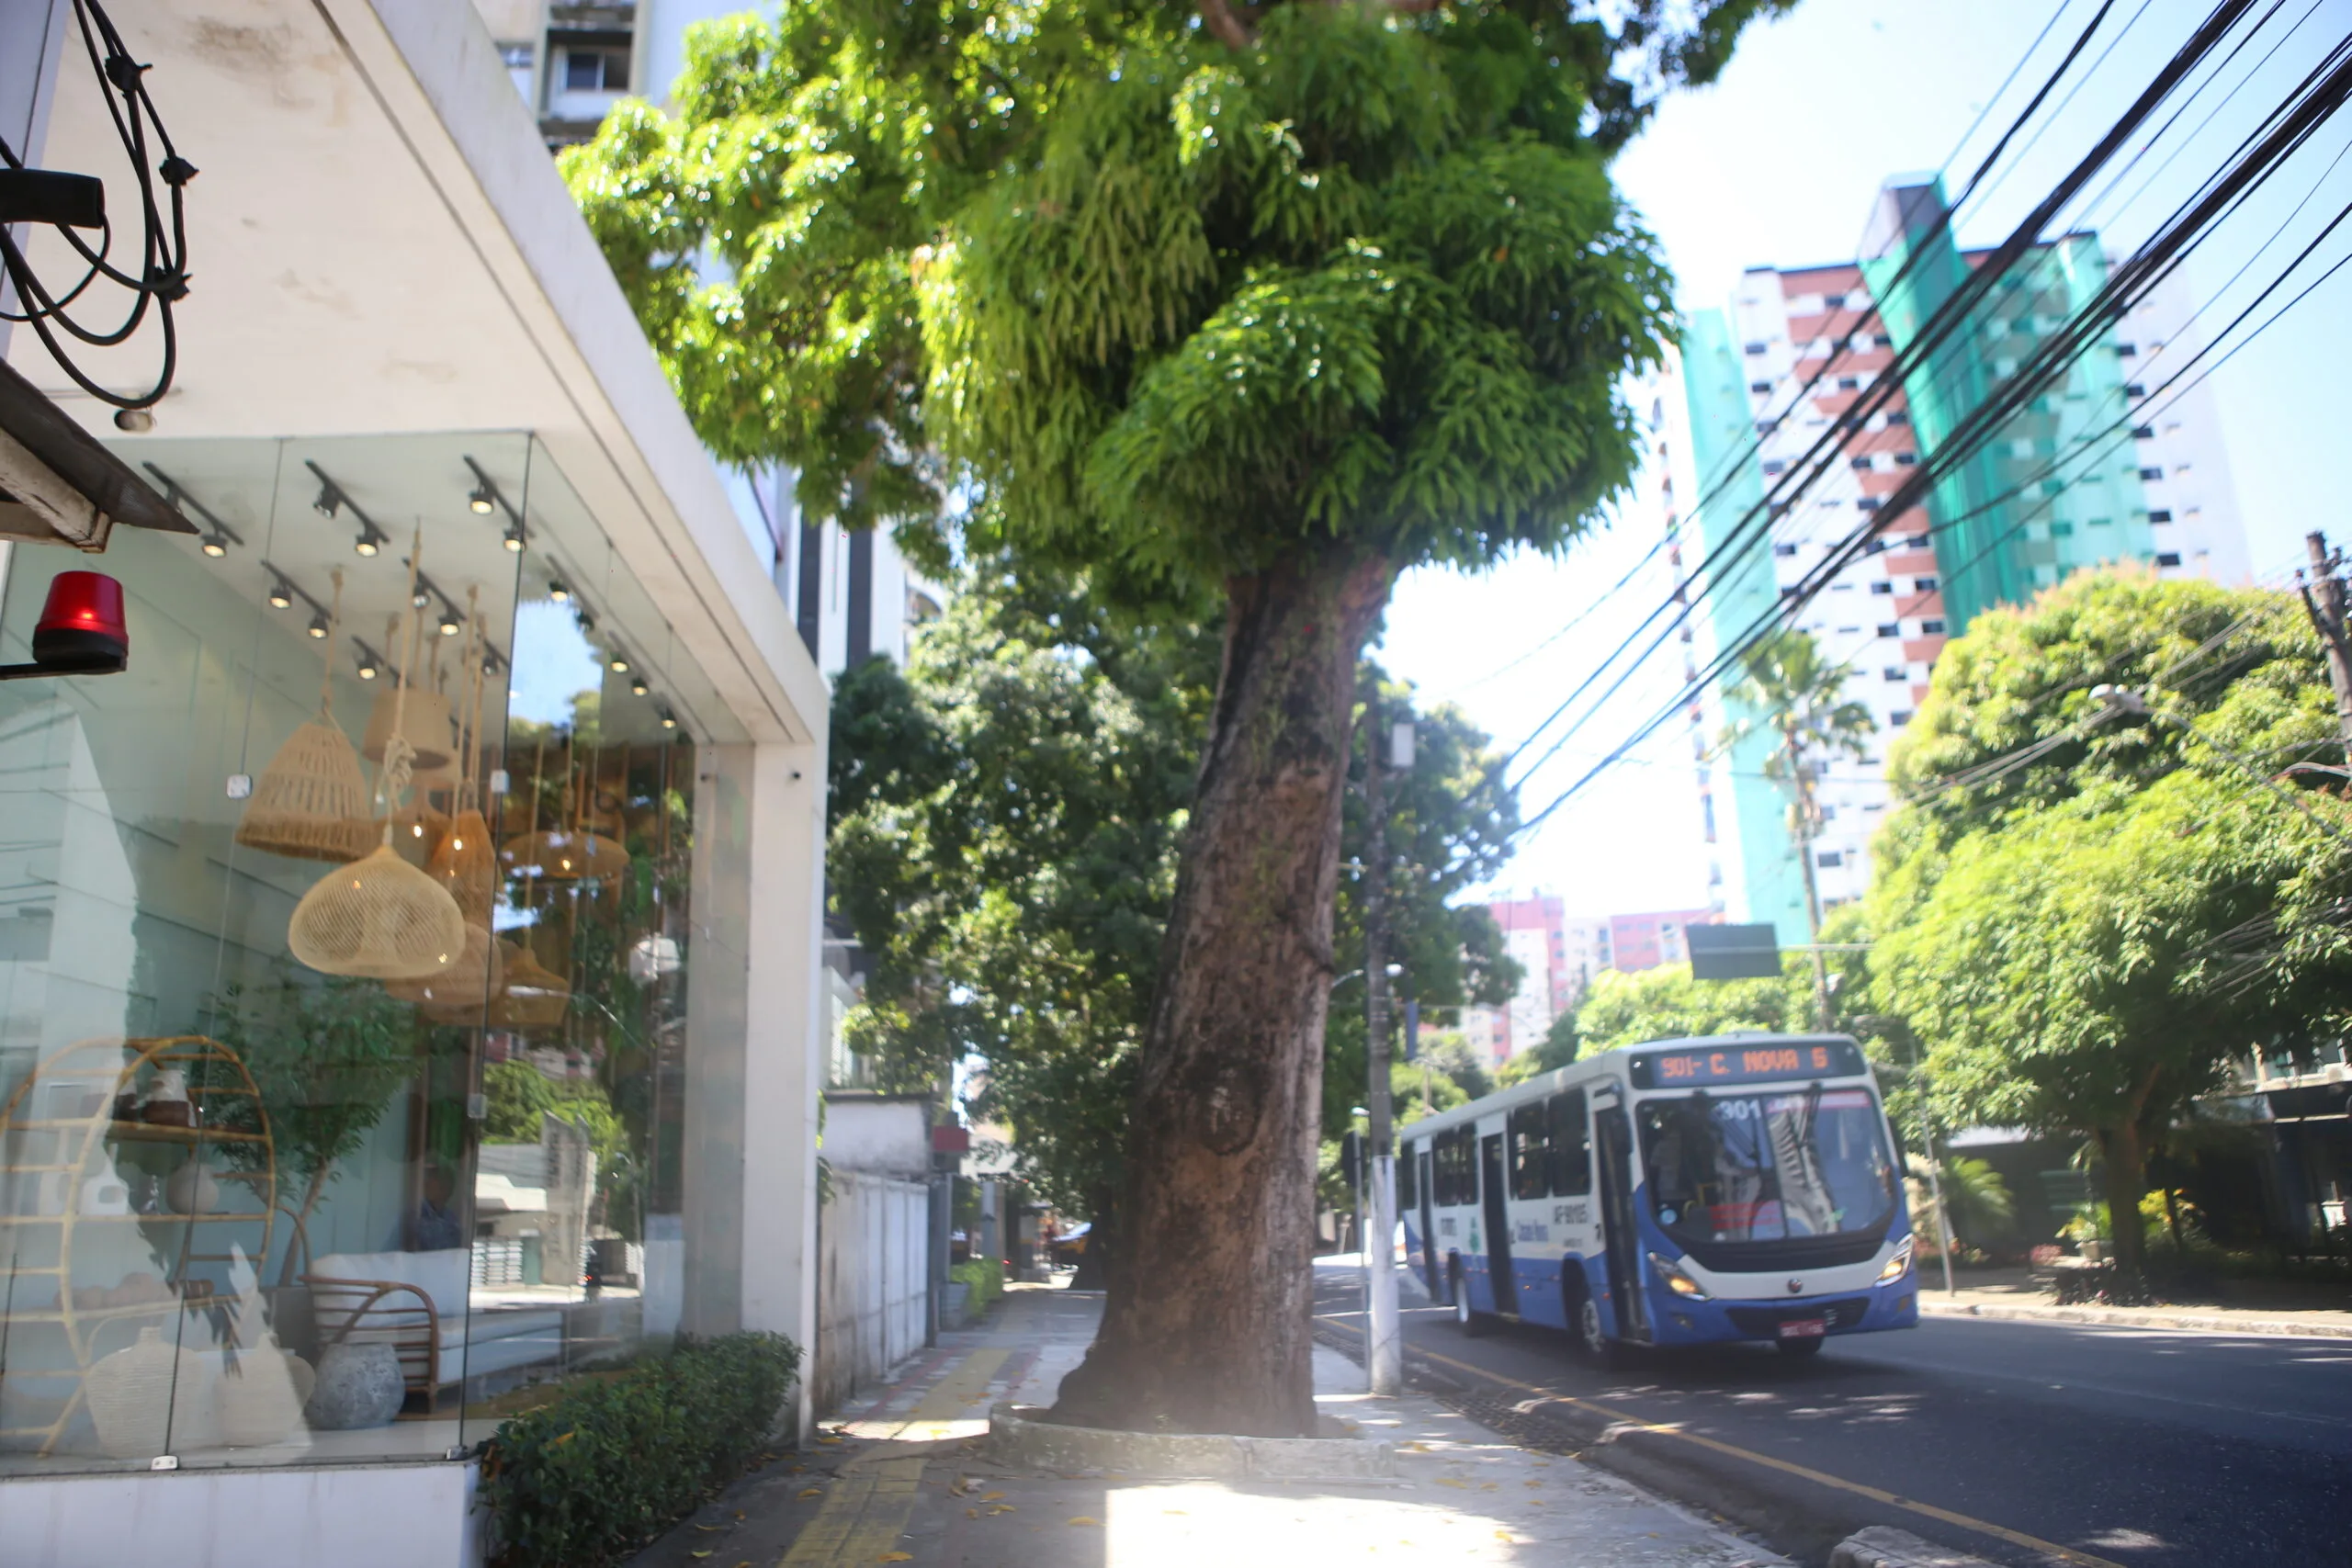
(1804, 1329)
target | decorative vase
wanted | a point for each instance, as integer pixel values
(130, 1394)
(260, 1395)
(168, 1102)
(358, 1385)
(190, 1189)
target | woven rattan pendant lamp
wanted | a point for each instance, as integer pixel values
(535, 997)
(312, 801)
(381, 918)
(568, 854)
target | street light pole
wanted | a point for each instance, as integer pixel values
(1384, 1357)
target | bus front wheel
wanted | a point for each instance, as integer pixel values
(1472, 1324)
(1592, 1339)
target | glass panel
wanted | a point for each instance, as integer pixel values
(215, 1154)
(1767, 1166)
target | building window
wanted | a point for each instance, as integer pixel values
(1773, 467)
(1833, 301)
(1895, 673)
(2169, 558)
(2160, 515)
(2151, 473)
(1923, 585)
(1756, 348)
(2133, 389)
(595, 69)
(1868, 503)
(1829, 860)
(1881, 588)
(2125, 350)
(1890, 630)
(1905, 459)
(2143, 433)
(1784, 551)
(1861, 463)
(1897, 416)
(1761, 389)
(1931, 628)
(1898, 718)
(1850, 383)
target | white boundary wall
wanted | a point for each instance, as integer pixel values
(872, 1285)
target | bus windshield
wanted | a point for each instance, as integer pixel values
(1767, 1166)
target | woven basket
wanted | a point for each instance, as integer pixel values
(456, 995)
(425, 722)
(312, 801)
(534, 998)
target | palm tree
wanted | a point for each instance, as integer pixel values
(1789, 691)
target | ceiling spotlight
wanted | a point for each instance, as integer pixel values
(557, 591)
(330, 500)
(370, 541)
(582, 618)
(638, 687)
(450, 625)
(482, 500)
(617, 663)
(420, 599)
(318, 625)
(515, 540)
(369, 670)
(669, 719)
(215, 545)
(281, 595)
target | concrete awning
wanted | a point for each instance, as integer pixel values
(379, 245)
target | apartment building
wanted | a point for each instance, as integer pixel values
(2091, 473)
(1559, 956)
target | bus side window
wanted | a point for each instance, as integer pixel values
(1406, 1197)
(1530, 1144)
(1457, 1173)
(1571, 1145)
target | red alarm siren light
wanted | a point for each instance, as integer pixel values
(81, 630)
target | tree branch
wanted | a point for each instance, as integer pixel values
(1219, 20)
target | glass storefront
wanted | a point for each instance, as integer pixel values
(335, 1123)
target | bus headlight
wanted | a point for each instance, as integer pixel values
(1675, 1279)
(1897, 1266)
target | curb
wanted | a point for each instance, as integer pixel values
(2139, 1317)
(1020, 1442)
(1882, 1546)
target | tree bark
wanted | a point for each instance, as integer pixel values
(2127, 1179)
(1099, 1261)
(1208, 1323)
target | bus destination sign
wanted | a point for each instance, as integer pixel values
(1765, 1061)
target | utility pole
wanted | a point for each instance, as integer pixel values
(1384, 1356)
(2328, 617)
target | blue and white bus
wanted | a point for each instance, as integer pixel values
(1677, 1192)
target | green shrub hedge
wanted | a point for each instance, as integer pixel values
(611, 1462)
(985, 1275)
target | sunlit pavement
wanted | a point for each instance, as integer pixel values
(904, 1478)
(2104, 1444)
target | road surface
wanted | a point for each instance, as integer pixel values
(2007, 1439)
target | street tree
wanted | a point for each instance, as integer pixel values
(1788, 692)
(1665, 1003)
(2085, 926)
(1275, 302)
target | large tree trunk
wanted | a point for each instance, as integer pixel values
(2127, 1179)
(1208, 1322)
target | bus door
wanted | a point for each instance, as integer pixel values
(1621, 1240)
(1429, 1232)
(1493, 1187)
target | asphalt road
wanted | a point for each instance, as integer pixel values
(2152, 1449)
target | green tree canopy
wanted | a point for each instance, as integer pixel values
(2087, 927)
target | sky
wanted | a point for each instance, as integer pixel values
(1778, 165)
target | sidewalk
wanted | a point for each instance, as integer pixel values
(2019, 1294)
(905, 1477)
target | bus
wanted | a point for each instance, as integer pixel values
(1676, 1192)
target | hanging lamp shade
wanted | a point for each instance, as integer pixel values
(464, 859)
(456, 995)
(425, 723)
(534, 997)
(565, 855)
(381, 918)
(312, 801)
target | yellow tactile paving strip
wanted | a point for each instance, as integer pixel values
(874, 1495)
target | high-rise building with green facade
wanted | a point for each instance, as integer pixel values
(2074, 479)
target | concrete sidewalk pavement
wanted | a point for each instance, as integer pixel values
(2315, 1313)
(905, 1477)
